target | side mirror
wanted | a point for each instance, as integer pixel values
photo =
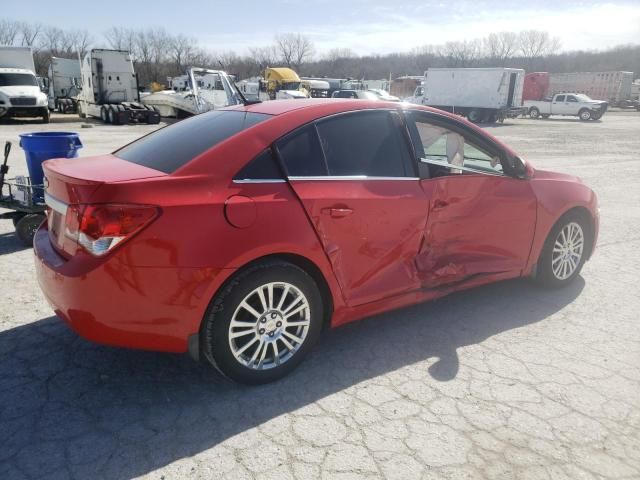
(520, 167)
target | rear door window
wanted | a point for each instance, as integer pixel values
(366, 143)
(174, 146)
(301, 153)
(560, 98)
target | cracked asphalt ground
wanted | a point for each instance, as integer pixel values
(506, 381)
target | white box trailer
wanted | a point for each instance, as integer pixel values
(63, 84)
(480, 94)
(20, 92)
(110, 89)
(17, 57)
(614, 87)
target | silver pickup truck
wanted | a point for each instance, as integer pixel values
(568, 104)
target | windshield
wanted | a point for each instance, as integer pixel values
(290, 85)
(583, 97)
(17, 79)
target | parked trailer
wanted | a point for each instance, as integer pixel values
(536, 86)
(614, 87)
(402, 87)
(63, 84)
(480, 94)
(110, 89)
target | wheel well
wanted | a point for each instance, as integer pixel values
(583, 213)
(305, 264)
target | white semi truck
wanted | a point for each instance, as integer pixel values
(63, 84)
(20, 93)
(480, 94)
(110, 89)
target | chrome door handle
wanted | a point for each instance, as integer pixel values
(337, 212)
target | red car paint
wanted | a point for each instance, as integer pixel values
(373, 245)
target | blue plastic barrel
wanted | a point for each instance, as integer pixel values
(41, 146)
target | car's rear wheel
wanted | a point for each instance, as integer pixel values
(564, 252)
(263, 323)
(534, 112)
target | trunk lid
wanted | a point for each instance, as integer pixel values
(73, 181)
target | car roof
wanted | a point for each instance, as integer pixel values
(310, 109)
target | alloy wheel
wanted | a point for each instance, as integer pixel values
(567, 251)
(269, 326)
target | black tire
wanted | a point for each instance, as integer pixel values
(16, 218)
(534, 113)
(544, 271)
(81, 114)
(214, 333)
(46, 116)
(585, 114)
(26, 227)
(62, 107)
(475, 116)
(111, 115)
(103, 115)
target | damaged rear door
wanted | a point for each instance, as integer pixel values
(355, 177)
(481, 221)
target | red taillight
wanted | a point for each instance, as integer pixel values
(99, 228)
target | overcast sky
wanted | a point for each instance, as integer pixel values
(365, 26)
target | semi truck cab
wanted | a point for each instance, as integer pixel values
(20, 92)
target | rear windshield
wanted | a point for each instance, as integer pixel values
(172, 147)
(17, 79)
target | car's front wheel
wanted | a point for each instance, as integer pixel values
(585, 115)
(564, 252)
(263, 323)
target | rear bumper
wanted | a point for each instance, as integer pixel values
(110, 302)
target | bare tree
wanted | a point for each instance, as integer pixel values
(537, 43)
(182, 49)
(55, 42)
(264, 56)
(9, 30)
(29, 33)
(227, 59)
(121, 39)
(81, 41)
(339, 53)
(460, 54)
(294, 48)
(501, 46)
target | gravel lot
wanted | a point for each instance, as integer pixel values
(506, 381)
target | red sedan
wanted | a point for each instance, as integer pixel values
(240, 233)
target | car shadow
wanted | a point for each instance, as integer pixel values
(10, 243)
(69, 407)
